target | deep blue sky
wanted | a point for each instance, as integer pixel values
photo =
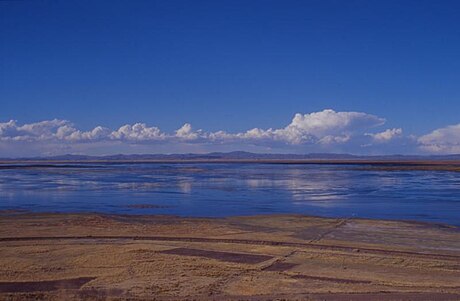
(229, 65)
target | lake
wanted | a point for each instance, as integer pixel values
(218, 190)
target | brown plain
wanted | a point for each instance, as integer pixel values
(279, 257)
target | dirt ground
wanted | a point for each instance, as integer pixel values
(276, 257)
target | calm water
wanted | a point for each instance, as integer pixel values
(235, 189)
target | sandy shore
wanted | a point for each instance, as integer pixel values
(282, 257)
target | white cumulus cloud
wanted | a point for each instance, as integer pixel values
(443, 140)
(42, 130)
(330, 122)
(137, 132)
(186, 132)
(96, 134)
(386, 135)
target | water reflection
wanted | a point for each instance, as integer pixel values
(235, 189)
(185, 186)
(303, 186)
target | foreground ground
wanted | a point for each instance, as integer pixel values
(89, 256)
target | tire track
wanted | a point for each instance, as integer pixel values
(315, 246)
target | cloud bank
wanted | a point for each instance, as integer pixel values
(326, 131)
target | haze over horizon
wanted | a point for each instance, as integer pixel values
(358, 77)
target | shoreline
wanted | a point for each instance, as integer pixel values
(264, 257)
(20, 211)
(6, 212)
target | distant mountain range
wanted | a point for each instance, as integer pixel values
(233, 156)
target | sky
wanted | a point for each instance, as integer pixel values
(105, 77)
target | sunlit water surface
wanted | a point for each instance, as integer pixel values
(215, 190)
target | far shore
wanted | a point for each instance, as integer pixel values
(362, 164)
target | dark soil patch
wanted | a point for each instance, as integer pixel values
(337, 280)
(280, 266)
(388, 296)
(223, 256)
(52, 285)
